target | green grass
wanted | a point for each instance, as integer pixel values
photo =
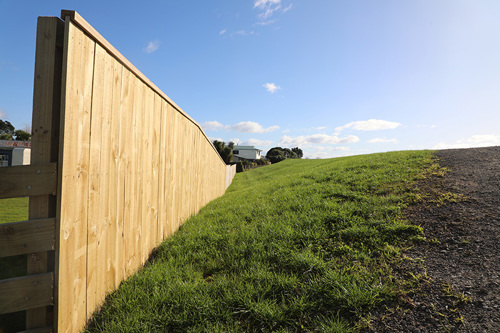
(302, 245)
(13, 210)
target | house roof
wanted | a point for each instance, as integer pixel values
(245, 148)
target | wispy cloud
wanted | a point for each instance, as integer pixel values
(369, 125)
(243, 127)
(212, 125)
(152, 47)
(382, 140)
(255, 142)
(287, 8)
(271, 87)
(268, 22)
(242, 33)
(267, 8)
(316, 139)
(3, 114)
(325, 152)
(252, 127)
(482, 140)
(222, 32)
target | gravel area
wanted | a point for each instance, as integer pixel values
(458, 267)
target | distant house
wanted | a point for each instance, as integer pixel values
(249, 153)
(14, 152)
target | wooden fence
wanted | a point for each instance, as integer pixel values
(116, 168)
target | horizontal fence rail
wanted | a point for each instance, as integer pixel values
(27, 180)
(27, 292)
(27, 237)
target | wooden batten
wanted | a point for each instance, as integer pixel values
(28, 180)
(27, 237)
(27, 292)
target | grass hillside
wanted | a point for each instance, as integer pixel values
(302, 245)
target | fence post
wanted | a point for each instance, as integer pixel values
(45, 142)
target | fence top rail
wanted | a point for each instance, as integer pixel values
(85, 26)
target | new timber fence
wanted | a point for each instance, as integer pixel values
(116, 168)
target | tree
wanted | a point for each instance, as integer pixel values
(225, 152)
(275, 155)
(278, 154)
(22, 135)
(6, 130)
(298, 151)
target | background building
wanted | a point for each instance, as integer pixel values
(241, 153)
(14, 152)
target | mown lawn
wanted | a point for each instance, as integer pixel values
(302, 245)
(13, 210)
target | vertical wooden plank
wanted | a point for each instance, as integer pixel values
(94, 222)
(123, 209)
(162, 173)
(155, 149)
(104, 220)
(146, 173)
(176, 170)
(44, 142)
(78, 59)
(138, 174)
(115, 195)
(127, 146)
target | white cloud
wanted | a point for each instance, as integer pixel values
(268, 22)
(326, 152)
(242, 126)
(287, 8)
(316, 139)
(382, 140)
(212, 139)
(320, 128)
(268, 8)
(256, 142)
(3, 114)
(483, 140)
(212, 125)
(242, 33)
(369, 125)
(285, 131)
(252, 127)
(265, 3)
(152, 47)
(222, 32)
(271, 87)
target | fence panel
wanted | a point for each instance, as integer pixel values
(133, 167)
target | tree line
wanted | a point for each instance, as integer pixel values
(9, 132)
(274, 155)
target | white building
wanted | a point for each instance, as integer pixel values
(241, 153)
(14, 152)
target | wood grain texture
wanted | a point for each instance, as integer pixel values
(27, 237)
(45, 144)
(28, 180)
(78, 62)
(27, 292)
(133, 169)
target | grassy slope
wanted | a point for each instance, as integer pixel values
(297, 246)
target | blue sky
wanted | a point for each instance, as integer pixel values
(334, 78)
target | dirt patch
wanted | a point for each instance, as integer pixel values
(460, 272)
